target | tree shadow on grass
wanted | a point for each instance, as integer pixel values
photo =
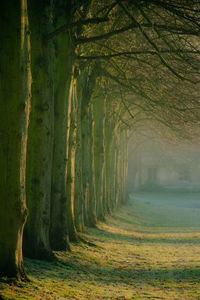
(95, 272)
(87, 268)
(118, 238)
(177, 222)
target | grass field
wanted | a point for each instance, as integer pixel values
(149, 249)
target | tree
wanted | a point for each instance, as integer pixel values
(85, 100)
(15, 90)
(63, 93)
(40, 141)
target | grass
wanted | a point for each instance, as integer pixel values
(149, 249)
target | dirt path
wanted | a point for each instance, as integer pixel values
(150, 249)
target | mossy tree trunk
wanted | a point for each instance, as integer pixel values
(92, 208)
(116, 161)
(117, 175)
(110, 165)
(121, 167)
(85, 165)
(40, 142)
(90, 217)
(124, 163)
(78, 192)
(99, 148)
(15, 89)
(71, 153)
(59, 235)
(87, 140)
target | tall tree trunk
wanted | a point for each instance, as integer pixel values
(59, 234)
(92, 208)
(118, 179)
(124, 145)
(71, 151)
(88, 168)
(110, 166)
(85, 165)
(87, 137)
(64, 191)
(78, 196)
(99, 148)
(40, 143)
(15, 88)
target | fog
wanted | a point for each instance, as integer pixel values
(164, 175)
(158, 164)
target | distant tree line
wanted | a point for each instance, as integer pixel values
(75, 78)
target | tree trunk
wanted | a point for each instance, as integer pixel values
(85, 165)
(118, 179)
(15, 91)
(87, 136)
(99, 149)
(71, 151)
(88, 168)
(40, 143)
(78, 196)
(59, 234)
(124, 145)
(110, 166)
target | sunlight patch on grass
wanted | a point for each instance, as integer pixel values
(138, 255)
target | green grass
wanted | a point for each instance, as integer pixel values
(147, 250)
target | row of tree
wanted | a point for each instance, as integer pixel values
(74, 79)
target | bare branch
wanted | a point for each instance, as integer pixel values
(126, 106)
(151, 43)
(176, 10)
(83, 40)
(174, 29)
(149, 52)
(65, 27)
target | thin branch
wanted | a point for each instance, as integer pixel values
(163, 37)
(126, 106)
(150, 52)
(124, 122)
(65, 27)
(111, 8)
(83, 40)
(174, 29)
(107, 7)
(151, 43)
(171, 8)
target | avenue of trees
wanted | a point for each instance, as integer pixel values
(76, 77)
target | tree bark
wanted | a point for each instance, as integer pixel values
(78, 196)
(71, 153)
(110, 165)
(40, 143)
(15, 92)
(124, 145)
(99, 148)
(90, 217)
(87, 136)
(59, 233)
